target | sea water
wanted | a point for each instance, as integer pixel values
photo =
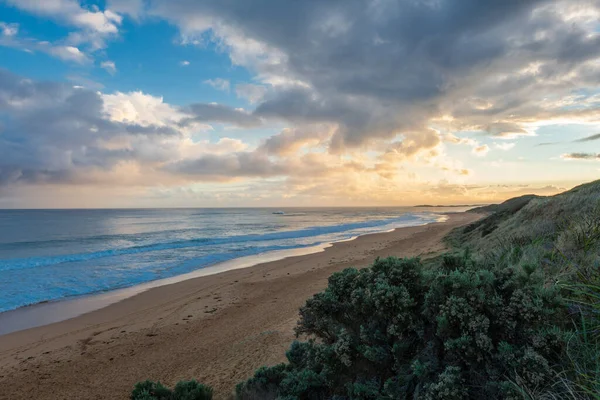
(48, 255)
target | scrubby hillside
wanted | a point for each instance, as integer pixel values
(560, 232)
(509, 206)
(531, 215)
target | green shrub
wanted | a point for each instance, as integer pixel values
(394, 331)
(184, 390)
(149, 390)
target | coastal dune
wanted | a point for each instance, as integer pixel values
(217, 329)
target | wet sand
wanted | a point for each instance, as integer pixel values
(217, 329)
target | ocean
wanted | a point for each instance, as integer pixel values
(48, 255)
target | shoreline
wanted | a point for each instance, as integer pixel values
(47, 312)
(217, 328)
(53, 311)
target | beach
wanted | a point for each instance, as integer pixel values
(217, 329)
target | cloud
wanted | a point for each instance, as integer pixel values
(582, 140)
(589, 138)
(496, 68)
(219, 83)
(547, 144)
(109, 66)
(506, 130)
(71, 12)
(83, 81)
(212, 112)
(9, 29)
(184, 63)
(403, 69)
(64, 52)
(476, 148)
(94, 25)
(141, 109)
(291, 140)
(371, 93)
(69, 53)
(504, 146)
(581, 156)
(230, 166)
(250, 92)
(55, 133)
(133, 8)
(481, 151)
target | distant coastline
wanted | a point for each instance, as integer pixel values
(442, 205)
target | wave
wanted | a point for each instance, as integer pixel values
(35, 262)
(87, 285)
(99, 238)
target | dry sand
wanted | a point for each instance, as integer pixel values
(217, 329)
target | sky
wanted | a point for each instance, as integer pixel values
(273, 103)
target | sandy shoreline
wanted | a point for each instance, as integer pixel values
(49, 312)
(217, 328)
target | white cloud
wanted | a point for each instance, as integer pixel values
(109, 66)
(70, 53)
(141, 109)
(504, 146)
(30, 45)
(9, 29)
(219, 83)
(102, 22)
(72, 12)
(95, 25)
(184, 63)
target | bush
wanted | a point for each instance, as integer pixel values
(394, 331)
(184, 390)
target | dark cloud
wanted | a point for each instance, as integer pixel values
(547, 144)
(581, 156)
(203, 113)
(384, 76)
(290, 140)
(381, 67)
(228, 166)
(589, 138)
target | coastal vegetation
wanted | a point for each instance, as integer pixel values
(398, 331)
(511, 312)
(184, 390)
